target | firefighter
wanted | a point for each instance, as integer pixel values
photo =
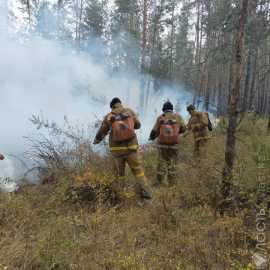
(253, 114)
(198, 124)
(1, 157)
(124, 151)
(167, 152)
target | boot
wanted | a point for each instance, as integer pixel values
(145, 195)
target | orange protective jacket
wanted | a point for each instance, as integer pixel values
(118, 148)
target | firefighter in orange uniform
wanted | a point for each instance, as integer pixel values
(198, 124)
(172, 124)
(1, 157)
(123, 143)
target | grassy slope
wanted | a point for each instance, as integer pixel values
(55, 226)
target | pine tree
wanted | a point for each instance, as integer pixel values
(233, 113)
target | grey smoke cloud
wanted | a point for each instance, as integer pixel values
(44, 77)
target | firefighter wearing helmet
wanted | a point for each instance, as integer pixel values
(199, 124)
(166, 130)
(123, 143)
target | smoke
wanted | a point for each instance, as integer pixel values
(42, 76)
(3, 10)
(8, 169)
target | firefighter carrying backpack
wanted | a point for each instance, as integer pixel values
(168, 131)
(122, 126)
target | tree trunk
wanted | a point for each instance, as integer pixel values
(197, 44)
(267, 86)
(130, 56)
(172, 42)
(268, 127)
(263, 96)
(184, 63)
(252, 90)
(152, 57)
(191, 65)
(258, 80)
(143, 64)
(231, 130)
(230, 80)
(246, 89)
(209, 79)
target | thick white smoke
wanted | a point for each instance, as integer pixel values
(44, 77)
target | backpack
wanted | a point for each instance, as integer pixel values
(168, 131)
(210, 126)
(122, 126)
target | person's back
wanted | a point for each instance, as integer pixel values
(167, 115)
(167, 149)
(124, 151)
(198, 124)
(118, 147)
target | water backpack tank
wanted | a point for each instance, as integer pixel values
(168, 131)
(122, 127)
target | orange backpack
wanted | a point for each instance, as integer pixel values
(168, 131)
(122, 127)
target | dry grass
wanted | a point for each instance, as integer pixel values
(83, 220)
